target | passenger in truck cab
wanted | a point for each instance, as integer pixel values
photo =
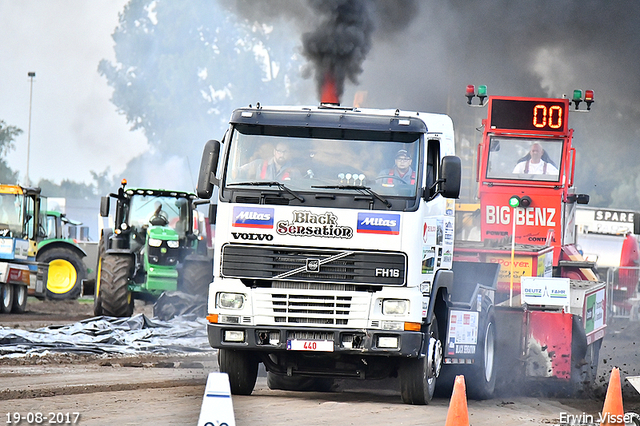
(276, 168)
(401, 172)
(536, 162)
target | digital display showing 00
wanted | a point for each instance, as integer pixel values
(547, 116)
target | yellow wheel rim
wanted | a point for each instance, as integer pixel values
(97, 291)
(62, 276)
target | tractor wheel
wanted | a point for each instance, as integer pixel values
(97, 301)
(418, 375)
(242, 368)
(6, 298)
(195, 278)
(115, 297)
(66, 272)
(19, 304)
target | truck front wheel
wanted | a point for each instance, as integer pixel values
(418, 375)
(114, 295)
(242, 368)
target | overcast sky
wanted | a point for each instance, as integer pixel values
(75, 129)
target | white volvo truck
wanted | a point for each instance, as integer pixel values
(331, 264)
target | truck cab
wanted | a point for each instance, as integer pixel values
(334, 248)
(22, 212)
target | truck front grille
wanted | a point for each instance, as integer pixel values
(311, 307)
(247, 261)
(307, 309)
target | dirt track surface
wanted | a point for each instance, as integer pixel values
(168, 390)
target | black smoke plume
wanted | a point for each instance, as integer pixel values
(339, 45)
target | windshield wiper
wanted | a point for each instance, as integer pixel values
(280, 186)
(366, 189)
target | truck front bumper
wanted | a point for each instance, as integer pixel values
(318, 340)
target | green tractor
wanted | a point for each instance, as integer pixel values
(153, 246)
(64, 256)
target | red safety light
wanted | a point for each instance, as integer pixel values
(588, 98)
(471, 92)
(588, 95)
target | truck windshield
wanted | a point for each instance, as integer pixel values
(11, 215)
(319, 159)
(155, 210)
(524, 158)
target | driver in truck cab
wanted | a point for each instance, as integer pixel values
(274, 169)
(401, 172)
(536, 162)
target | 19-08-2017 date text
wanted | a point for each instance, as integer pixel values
(42, 418)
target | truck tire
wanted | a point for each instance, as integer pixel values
(242, 368)
(6, 298)
(195, 278)
(418, 375)
(66, 272)
(299, 384)
(115, 297)
(19, 304)
(481, 382)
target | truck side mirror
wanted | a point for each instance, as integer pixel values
(104, 206)
(207, 177)
(451, 176)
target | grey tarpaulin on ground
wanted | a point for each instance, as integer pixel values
(103, 335)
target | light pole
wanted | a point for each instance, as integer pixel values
(31, 75)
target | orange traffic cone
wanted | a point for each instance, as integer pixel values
(458, 415)
(612, 411)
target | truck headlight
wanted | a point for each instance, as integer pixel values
(173, 244)
(154, 242)
(230, 300)
(395, 307)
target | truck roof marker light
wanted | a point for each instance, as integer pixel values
(471, 92)
(588, 98)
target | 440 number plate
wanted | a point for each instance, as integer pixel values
(310, 345)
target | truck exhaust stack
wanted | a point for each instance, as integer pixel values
(329, 93)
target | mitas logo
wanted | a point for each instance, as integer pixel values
(252, 217)
(378, 223)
